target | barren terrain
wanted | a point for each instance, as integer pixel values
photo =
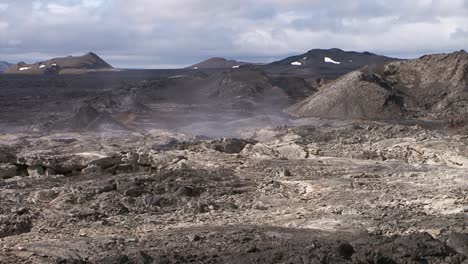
(136, 167)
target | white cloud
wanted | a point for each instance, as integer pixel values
(182, 31)
(3, 7)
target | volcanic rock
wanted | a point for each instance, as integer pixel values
(356, 95)
(7, 171)
(459, 242)
(431, 86)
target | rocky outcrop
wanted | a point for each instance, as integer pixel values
(7, 171)
(431, 86)
(356, 95)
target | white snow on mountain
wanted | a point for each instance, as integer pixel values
(330, 60)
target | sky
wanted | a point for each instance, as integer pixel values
(177, 33)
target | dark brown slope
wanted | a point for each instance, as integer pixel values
(79, 64)
(433, 86)
(244, 88)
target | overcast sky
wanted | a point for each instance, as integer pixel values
(172, 33)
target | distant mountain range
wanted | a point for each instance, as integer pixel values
(71, 64)
(218, 63)
(326, 63)
(4, 65)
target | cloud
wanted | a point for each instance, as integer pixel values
(148, 33)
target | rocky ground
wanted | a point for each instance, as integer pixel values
(314, 191)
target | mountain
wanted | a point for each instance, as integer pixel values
(433, 86)
(218, 63)
(4, 65)
(244, 89)
(326, 63)
(79, 64)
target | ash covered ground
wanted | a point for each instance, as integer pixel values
(193, 166)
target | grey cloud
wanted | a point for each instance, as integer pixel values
(149, 33)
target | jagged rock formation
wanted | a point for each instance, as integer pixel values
(70, 64)
(431, 86)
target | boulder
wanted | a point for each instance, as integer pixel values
(7, 171)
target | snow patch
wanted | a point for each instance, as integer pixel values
(296, 63)
(41, 66)
(236, 67)
(53, 65)
(24, 68)
(330, 60)
(305, 58)
(195, 68)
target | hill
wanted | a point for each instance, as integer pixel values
(325, 63)
(432, 86)
(71, 64)
(218, 63)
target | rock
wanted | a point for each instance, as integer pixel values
(43, 196)
(106, 187)
(144, 159)
(292, 151)
(193, 237)
(92, 170)
(7, 171)
(6, 157)
(131, 159)
(107, 162)
(36, 171)
(459, 242)
(156, 200)
(421, 245)
(230, 145)
(133, 192)
(378, 258)
(15, 223)
(260, 206)
(50, 172)
(283, 173)
(145, 258)
(252, 249)
(188, 191)
(345, 250)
